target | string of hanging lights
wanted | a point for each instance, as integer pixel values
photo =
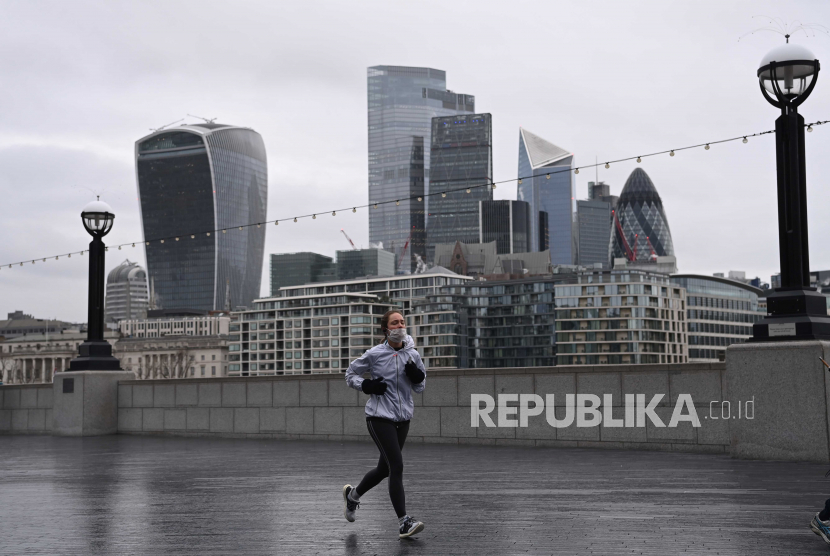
(375, 204)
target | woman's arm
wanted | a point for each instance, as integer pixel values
(356, 369)
(421, 385)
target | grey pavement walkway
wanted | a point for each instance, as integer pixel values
(182, 496)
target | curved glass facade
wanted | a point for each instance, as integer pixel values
(720, 312)
(191, 182)
(643, 221)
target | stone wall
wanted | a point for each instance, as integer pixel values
(322, 407)
(26, 409)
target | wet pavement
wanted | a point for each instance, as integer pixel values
(182, 496)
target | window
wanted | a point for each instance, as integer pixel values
(213, 370)
(192, 371)
(203, 357)
(203, 370)
(213, 357)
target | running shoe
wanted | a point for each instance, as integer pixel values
(410, 527)
(349, 505)
(821, 528)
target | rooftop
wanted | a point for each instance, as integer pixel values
(183, 496)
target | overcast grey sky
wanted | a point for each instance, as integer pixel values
(81, 81)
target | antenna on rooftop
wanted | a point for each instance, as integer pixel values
(207, 120)
(787, 29)
(165, 125)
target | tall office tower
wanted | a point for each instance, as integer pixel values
(601, 191)
(462, 161)
(127, 295)
(544, 231)
(593, 220)
(547, 184)
(641, 229)
(192, 180)
(507, 223)
(402, 103)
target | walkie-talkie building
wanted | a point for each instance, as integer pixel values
(193, 180)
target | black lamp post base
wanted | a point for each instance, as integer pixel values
(95, 356)
(794, 314)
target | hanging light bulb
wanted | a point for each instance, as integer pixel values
(21, 264)
(162, 241)
(468, 190)
(576, 171)
(547, 177)
(119, 248)
(33, 262)
(44, 260)
(276, 222)
(177, 239)
(208, 234)
(56, 258)
(105, 249)
(444, 194)
(148, 243)
(746, 140)
(809, 129)
(494, 186)
(314, 217)
(397, 203)
(259, 225)
(707, 146)
(607, 165)
(295, 219)
(240, 228)
(520, 181)
(133, 244)
(192, 236)
(376, 205)
(639, 159)
(419, 199)
(671, 153)
(69, 256)
(334, 213)
(354, 209)
(81, 253)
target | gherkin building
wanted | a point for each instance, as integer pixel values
(640, 227)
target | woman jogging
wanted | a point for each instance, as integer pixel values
(396, 370)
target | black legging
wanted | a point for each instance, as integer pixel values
(389, 437)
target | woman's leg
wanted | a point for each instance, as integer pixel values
(389, 438)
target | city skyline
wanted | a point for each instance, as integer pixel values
(52, 148)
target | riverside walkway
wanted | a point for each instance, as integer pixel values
(196, 496)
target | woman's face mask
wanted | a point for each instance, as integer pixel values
(396, 335)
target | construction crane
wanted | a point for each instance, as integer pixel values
(348, 238)
(405, 245)
(630, 254)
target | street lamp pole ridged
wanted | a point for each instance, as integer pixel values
(796, 311)
(95, 354)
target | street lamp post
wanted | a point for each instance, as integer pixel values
(796, 311)
(95, 354)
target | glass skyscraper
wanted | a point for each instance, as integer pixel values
(192, 180)
(547, 184)
(462, 157)
(641, 230)
(507, 223)
(402, 103)
(593, 219)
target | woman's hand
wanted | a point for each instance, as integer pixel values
(374, 386)
(416, 375)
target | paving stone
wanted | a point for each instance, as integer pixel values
(476, 497)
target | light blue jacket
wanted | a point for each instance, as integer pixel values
(383, 361)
